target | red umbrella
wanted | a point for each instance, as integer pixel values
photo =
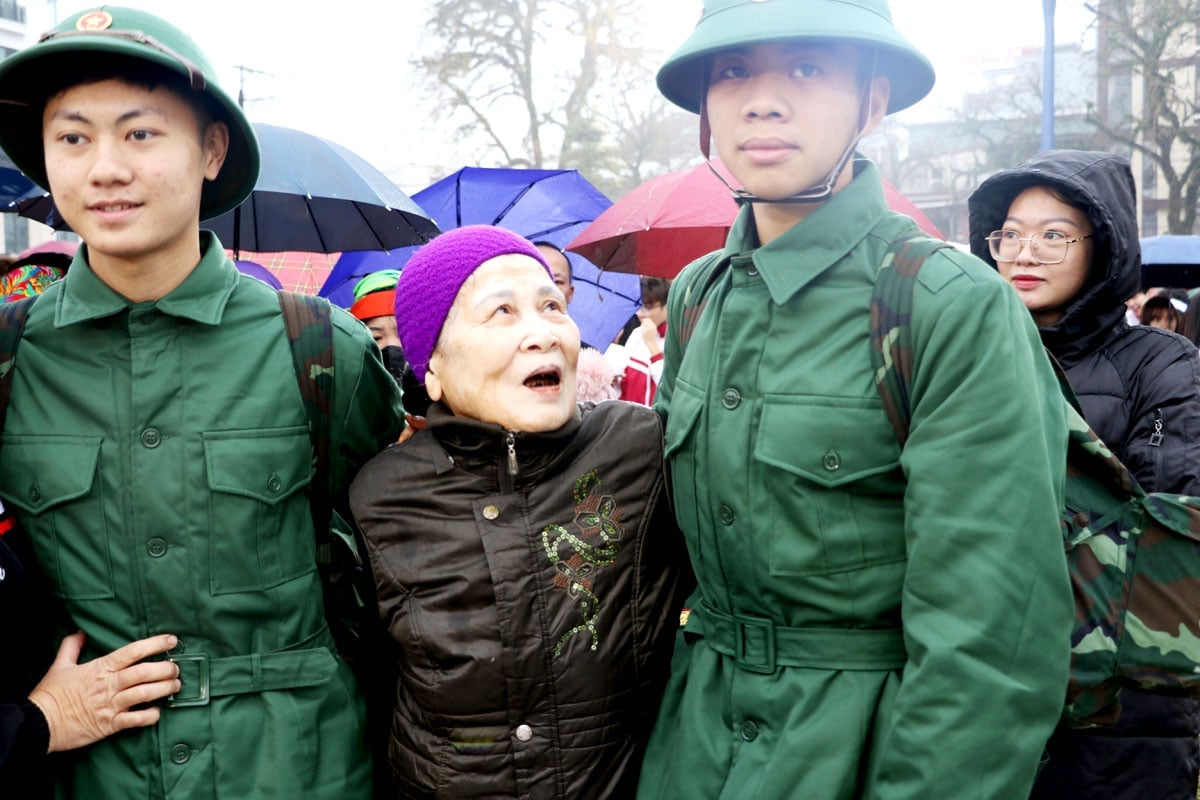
(667, 222)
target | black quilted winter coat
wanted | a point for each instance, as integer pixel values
(1140, 391)
(532, 584)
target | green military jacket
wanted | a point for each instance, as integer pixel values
(870, 622)
(159, 456)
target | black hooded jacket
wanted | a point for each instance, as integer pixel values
(1140, 391)
(1139, 386)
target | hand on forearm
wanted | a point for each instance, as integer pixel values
(650, 336)
(84, 703)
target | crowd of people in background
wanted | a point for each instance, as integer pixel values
(438, 547)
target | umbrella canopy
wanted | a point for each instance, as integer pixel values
(314, 195)
(667, 222)
(1171, 260)
(255, 270)
(355, 265)
(543, 205)
(14, 185)
(294, 270)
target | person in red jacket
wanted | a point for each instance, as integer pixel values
(644, 347)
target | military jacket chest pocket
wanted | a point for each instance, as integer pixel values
(53, 483)
(260, 525)
(830, 477)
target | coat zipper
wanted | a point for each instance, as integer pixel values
(1156, 440)
(510, 471)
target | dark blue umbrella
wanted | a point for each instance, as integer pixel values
(315, 196)
(543, 205)
(14, 186)
(1171, 260)
(354, 265)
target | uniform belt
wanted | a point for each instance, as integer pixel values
(203, 678)
(759, 645)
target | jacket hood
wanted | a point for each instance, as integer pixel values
(1100, 184)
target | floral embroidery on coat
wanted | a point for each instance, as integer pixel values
(578, 555)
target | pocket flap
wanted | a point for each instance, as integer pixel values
(40, 472)
(266, 465)
(829, 440)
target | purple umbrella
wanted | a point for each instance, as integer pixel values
(258, 271)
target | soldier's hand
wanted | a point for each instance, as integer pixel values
(83, 703)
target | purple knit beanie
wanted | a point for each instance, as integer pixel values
(430, 281)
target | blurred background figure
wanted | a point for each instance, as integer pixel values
(595, 377)
(644, 346)
(1165, 310)
(375, 306)
(36, 268)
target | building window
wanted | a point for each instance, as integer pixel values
(16, 233)
(11, 9)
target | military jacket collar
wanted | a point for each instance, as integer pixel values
(201, 297)
(816, 243)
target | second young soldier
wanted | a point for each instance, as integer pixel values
(872, 620)
(156, 446)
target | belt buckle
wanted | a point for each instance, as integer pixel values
(743, 626)
(202, 697)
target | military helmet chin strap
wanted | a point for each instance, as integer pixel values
(818, 192)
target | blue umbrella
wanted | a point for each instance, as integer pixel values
(543, 205)
(1171, 260)
(354, 265)
(315, 196)
(14, 185)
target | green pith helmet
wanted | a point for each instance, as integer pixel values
(734, 23)
(125, 34)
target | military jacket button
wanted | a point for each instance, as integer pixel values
(524, 733)
(749, 730)
(35, 493)
(832, 461)
(491, 512)
(181, 753)
(151, 437)
(274, 484)
(156, 547)
(727, 515)
(731, 398)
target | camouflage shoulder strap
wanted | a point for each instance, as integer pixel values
(309, 325)
(695, 294)
(891, 324)
(12, 327)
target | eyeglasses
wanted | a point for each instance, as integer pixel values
(1046, 247)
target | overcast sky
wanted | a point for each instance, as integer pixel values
(341, 70)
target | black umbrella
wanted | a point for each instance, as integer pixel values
(1171, 260)
(316, 196)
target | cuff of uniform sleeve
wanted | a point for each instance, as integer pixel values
(34, 740)
(654, 359)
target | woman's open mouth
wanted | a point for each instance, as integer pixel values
(544, 379)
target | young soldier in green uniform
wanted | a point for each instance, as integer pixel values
(156, 445)
(872, 620)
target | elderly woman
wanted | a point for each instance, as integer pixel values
(525, 559)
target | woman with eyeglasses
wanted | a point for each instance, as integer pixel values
(1061, 228)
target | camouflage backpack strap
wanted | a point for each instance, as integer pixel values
(12, 326)
(309, 325)
(695, 294)
(891, 324)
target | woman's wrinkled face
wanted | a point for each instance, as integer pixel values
(507, 352)
(1047, 289)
